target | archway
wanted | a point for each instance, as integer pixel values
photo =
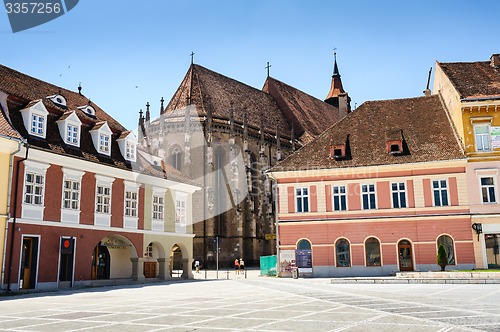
(154, 257)
(112, 258)
(180, 265)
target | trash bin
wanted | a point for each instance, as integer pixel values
(295, 273)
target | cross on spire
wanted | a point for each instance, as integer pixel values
(192, 57)
(267, 67)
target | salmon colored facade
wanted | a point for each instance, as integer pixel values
(407, 237)
(471, 93)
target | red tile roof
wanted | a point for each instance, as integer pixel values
(473, 79)
(428, 135)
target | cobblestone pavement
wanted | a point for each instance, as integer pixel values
(257, 304)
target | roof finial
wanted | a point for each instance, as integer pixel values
(335, 67)
(161, 107)
(192, 57)
(80, 88)
(267, 67)
(148, 115)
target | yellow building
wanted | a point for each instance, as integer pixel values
(471, 94)
(10, 143)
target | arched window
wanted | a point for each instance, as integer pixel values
(177, 158)
(372, 249)
(343, 253)
(304, 245)
(447, 243)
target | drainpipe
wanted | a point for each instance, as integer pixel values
(6, 216)
(13, 230)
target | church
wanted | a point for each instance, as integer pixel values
(225, 134)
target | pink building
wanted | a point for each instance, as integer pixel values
(376, 193)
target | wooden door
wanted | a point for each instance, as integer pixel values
(26, 263)
(150, 269)
(405, 256)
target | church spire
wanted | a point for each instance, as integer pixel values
(337, 96)
(336, 88)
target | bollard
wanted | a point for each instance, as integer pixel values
(227, 272)
(245, 274)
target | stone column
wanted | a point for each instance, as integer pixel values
(187, 271)
(137, 269)
(162, 272)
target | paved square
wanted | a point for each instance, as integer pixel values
(257, 304)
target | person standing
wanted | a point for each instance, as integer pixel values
(236, 266)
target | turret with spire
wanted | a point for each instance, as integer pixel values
(337, 96)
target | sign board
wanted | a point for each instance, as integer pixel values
(304, 260)
(287, 260)
(495, 137)
(270, 236)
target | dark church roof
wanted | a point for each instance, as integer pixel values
(281, 105)
(479, 79)
(307, 113)
(208, 89)
(421, 123)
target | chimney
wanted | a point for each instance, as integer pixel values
(495, 60)
(344, 104)
(427, 91)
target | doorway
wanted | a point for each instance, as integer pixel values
(405, 256)
(100, 263)
(29, 261)
(66, 262)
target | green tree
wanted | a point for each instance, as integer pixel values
(442, 258)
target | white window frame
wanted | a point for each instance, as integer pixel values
(440, 191)
(486, 135)
(130, 149)
(38, 110)
(102, 218)
(398, 192)
(181, 214)
(130, 220)
(128, 146)
(487, 173)
(104, 143)
(340, 195)
(301, 196)
(158, 216)
(34, 210)
(37, 124)
(71, 215)
(369, 193)
(68, 135)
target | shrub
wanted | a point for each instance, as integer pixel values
(442, 258)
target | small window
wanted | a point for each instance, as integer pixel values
(398, 195)
(343, 253)
(372, 248)
(149, 251)
(337, 151)
(71, 199)
(395, 147)
(37, 124)
(304, 245)
(488, 190)
(103, 199)
(72, 135)
(130, 151)
(58, 99)
(33, 187)
(158, 205)
(339, 198)
(368, 196)
(302, 199)
(440, 191)
(482, 137)
(131, 204)
(447, 243)
(104, 143)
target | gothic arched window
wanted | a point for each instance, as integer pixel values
(176, 156)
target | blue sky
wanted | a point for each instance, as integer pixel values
(126, 53)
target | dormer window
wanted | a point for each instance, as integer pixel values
(35, 118)
(127, 142)
(69, 128)
(337, 151)
(58, 100)
(395, 147)
(394, 141)
(87, 109)
(101, 137)
(104, 143)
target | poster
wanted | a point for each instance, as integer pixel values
(495, 137)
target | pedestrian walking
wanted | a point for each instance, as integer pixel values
(236, 266)
(197, 266)
(242, 265)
